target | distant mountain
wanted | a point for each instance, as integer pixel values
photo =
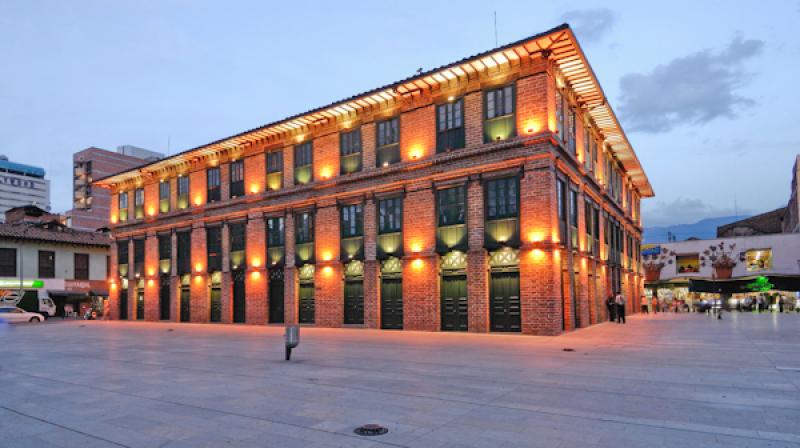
(704, 229)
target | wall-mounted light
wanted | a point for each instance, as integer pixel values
(151, 211)
(198, 267)
(327, 270)
(198, 200)
(256, 262)
(417, 264)
(255, 188)
(325, 173)
(327, 256)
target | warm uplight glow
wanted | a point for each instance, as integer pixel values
(151, 272)
(150, 282)
(255, 275)
(255, 188)
(213, 162)
(538, 255)
(299, 138)
(325, 173)
(327, 256)
(198, 200)
(198, 267)
(113, 286)
(256, 262)
(417, 264)
(416, 248)
(114, 219)
(536, 236)
(198, 278)
(557, 255)
(415, 153)
(555, 237)
(151, 211)
(451, 98)
(532, 126)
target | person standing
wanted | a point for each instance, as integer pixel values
(611, 305)
(645, 307)
(620, 302)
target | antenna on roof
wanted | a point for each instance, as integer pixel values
(496, 44)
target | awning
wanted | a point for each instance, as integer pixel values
(99, 293)
(67, 295)
(745, 284)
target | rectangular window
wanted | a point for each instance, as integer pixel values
(450, 126)
(275, 232)
(758, 260)
(352, 220)
(123, 206)
(350, 151)
(275, 170)
(561, 191)
(47, 264)
(502, 198)
(138, 257)
(237, 233)
(560, 117)
(236, 178)
(303, 163)
(499, 114)
(214, 248)
(81, 267)
(164, 246)
(304, 228)
(571, 129)
(573, 217)
(122, 255)
(138, 203)
(8, 262)
(163, 197)
(183, 192)
(213, 182)
(184, 255)
(388, 142)
(451, 206)
(390, 215)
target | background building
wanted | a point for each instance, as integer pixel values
(91, 207)
(791, 220)
(497, 193)
(72, 265)
(22, 184)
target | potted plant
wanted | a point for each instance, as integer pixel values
(653, 264)
(719, 256)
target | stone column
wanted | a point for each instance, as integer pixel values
(175, 281)
(329, 274)
(421, 303)
(227, 280)
(151, 282)
(290, 297)
(200, 305)
(257, 277)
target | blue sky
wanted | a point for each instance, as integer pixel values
(706, 90)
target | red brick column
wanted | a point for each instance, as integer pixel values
(326, 156)
(114, 283)
(420, 265)
(151, 282)
(132, 284)
(257, 278)
(255, 173)
(473, 119)
(368, 146)
(151, 200)
(198, 190)
(224, 191)
(290, 290)
(418, 133)
(288, 166)
(371, 266)
(175, 281)
(328, 278)
(477, 261)
(540, 258)
(200, 305)
(532, 103)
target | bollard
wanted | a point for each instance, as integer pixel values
(292, 339)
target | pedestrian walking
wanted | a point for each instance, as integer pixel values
(645, 305)
(612, 308)
(620, 302)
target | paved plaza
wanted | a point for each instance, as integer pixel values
(660, 381)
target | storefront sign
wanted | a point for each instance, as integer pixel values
(84, 285)
(12, 284)
(651, 250)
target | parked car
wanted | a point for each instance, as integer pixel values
(13, 314)
(43, 305)
(704, 306)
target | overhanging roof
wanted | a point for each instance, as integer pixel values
(559, 43)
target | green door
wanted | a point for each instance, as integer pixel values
(186, 308)
(239, 302)
(216, 304)
(504, 302)
(454, 303)
(392, 304)
(140, 304)
(163, 297)
(276, 296)
(354, 302)
(306, 294)
(123, 304)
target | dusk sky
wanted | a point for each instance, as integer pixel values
(706, 91)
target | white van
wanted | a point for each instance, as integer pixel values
(44, 306)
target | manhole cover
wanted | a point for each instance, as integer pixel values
(568, 349)
(371, 430)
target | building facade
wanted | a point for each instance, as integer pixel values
(42, 257)
(90, 206)
(497, 193)
(791, 220)
(22, 185)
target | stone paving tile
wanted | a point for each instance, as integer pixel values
(659, 381)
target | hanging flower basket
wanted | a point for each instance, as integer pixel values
(652, 275)
(723, 272)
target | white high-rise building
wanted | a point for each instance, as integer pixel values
(22, 184)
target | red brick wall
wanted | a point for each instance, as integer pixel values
(328, 283)
(151, 309)
(200, 280)
(418, 133)
(477, 261)
(532, 104)
(254, 173)
(368, 146)
(256, 280)
(151, 200)
(420, 266)
(371, 267)
(198, 188)
(473, 118)
(326, 157)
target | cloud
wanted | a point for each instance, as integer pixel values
(683, 211)
(590, 25)
(690, 90)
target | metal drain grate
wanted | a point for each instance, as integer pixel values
(371, 430)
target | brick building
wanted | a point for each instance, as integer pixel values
(91, 207)
(497, 193)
